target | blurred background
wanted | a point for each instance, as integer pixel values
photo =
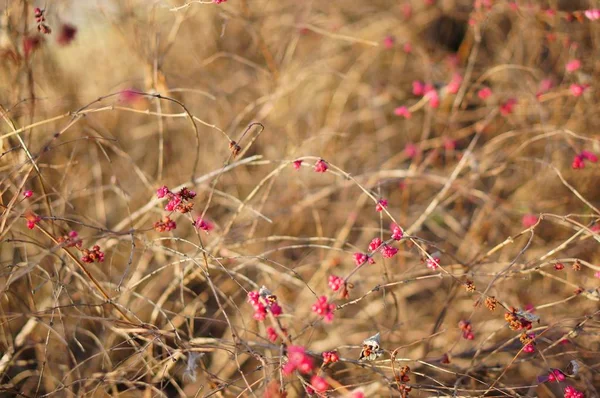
(474, 120)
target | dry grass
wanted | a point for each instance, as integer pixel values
(290, 80)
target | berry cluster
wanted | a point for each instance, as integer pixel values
(467, 330)
(330, 357)
(324, 308)
(70, 240)
(263, 302)
(93, 255)
(40, 19)
(516, 322)
(578, 160)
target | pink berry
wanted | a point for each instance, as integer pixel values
(454, 84)
(592, 15)
(484, 93)
(321, 166)
(335, 282)
(389, 41)
(272, 334)
(411, 150)
(573, 65)
(529, 220)
(577, 89)
(587, 155)
(275, 309)
(375, 243)
(578, 163)
(434, 98)
(324, 309)
(388, 251)
(433, 263)
(381, 204)
(507, 107)
(418, 88)
(203, 225)
(402, 111)
(397, 232)
(319, 383)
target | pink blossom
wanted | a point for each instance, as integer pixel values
(529, 348)
(573, 65)
(28, 193)
(357, 394)
(597, 274)
(335, 282)
(318, 383)
(402, 111)
(375, 243)
(381, 204)
(323, 308)
(389, 41)
(407, 47)
(484, 93)
(321, 166)
(529, 220)
(297, 164)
